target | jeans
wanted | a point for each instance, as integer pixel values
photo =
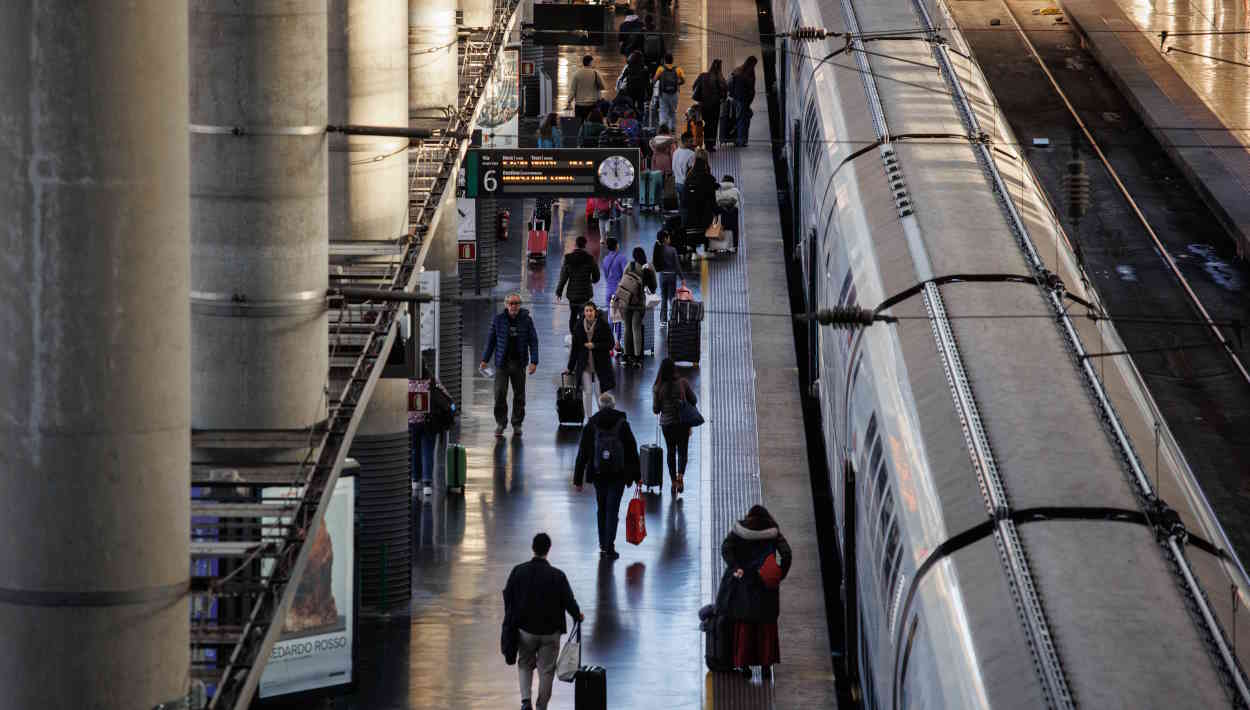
(421, 444)
(608, 496)
(539, 650)
(668, 112)
(589, 391)
(651, 187)
(668, 290)
(681, 197)
(677, 441)
(743, 129)
(514, 373)
(711, 123)
(633, 331)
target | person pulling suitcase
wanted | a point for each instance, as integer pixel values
(667, 397)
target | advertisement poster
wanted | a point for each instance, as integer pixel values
(315, 648)
(500, 118)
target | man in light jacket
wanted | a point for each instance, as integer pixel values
(585, 89)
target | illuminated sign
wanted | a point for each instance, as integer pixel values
(562, 172)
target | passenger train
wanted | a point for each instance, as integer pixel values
(1016, 524)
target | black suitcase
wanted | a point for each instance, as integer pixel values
(590, 688)
(718, 650)
(687, 311)
(652, 458)
(683, 341)
(569, 406)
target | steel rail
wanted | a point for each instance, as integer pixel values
(1016, 223)
(1141, 217)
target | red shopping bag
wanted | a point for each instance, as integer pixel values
(636, 519)
(770, 571)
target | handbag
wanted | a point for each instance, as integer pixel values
(688, 414)
(570, 659)
(636, 519)
(713, 230)
(697, 93)
(770, 571)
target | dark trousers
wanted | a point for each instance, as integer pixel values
(668, 289)
(421, 444)
(677, 441)
(514, 373)
(581, 112)
(608, 496)
(744, 125)
(575, 313)
(711, 123)
(633, 331)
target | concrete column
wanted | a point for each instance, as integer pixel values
(433, 74)
(478, 13)
(94, 376)
(258, 213)
(368, 62)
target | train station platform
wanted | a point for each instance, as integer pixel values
(641, 610)
(1196, 106)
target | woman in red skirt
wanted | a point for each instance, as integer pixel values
(759, 558)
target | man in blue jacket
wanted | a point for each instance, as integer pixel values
(513, 342)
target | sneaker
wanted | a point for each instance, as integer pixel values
(516, 430)
(414, 486)
(499, 431)
(610, 554)
(525, 705)
(428, 490)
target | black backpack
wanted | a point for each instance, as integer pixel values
(668, 80)
(610, 449)
(442, 410)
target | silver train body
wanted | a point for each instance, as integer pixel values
(995, 489)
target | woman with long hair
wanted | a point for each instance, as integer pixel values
(549, 134)
(710, 89)
(634, 79)
(758, 558)
(741, 94)
(667, 394)
(589, 359)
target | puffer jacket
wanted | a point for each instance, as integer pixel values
(728, 195)
(579, 273)
(746, 598)
(662, 147)
(497, 340)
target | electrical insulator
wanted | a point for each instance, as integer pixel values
(843, 317)
(1076, 185)
(811, 33)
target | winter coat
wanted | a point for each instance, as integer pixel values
(728, 196)
(666, 398)
(636, 79)
(649, 282)
(742, 87)
(603, 339)
(747, 599)
(700, 199)
(630, 33)
(584, 468)
(662, 148)
(665, 259)
(713, 90)
(497, 339)
(536, 598)
(580, 273)
(613, 267)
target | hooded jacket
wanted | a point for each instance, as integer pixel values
(497, 340)
(630, 33)
(746, 546)
(663, 146)
(579, 273)
(585, 469)
(728, 195)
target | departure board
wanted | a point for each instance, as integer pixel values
(562, 172)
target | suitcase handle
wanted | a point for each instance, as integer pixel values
(567, 380)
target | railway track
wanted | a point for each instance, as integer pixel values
(1150, 247)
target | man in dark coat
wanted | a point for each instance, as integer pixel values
(596, 464)
(513, 341)
(745, 596)
(535, 599)
(579, 272)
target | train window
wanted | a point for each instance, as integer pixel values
(812, 135)
(886, 497)
(871, 431)
(875, 461)
(887, 560)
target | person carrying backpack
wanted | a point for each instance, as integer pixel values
(634, 79)
(668, 78)
(424, 427)
(635, 283)
(607, 456)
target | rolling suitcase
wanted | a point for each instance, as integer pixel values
(569, 406)
(686, 310)
(457, 464)
(590, 688)
(668, 196)
(651, 456)
(718, 650)
(648, 331)
(683, 341)
(536, 241)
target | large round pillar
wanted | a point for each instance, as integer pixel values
(478, 13)
(258, 213)
(368, 61)
(94, 378)
(432, 70)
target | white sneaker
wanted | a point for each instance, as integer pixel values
(414, 486)
(499, 431)
(427, 491)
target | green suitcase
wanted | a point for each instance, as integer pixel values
(457, 463)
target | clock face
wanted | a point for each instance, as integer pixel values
(616, 172)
